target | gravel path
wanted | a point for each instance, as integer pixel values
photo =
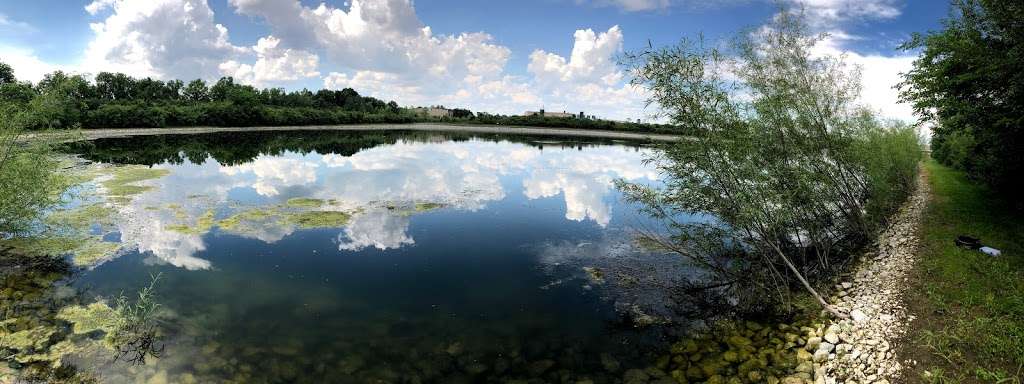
(861, 349)
(536, 131)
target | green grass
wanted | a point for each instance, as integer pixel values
(970, 307)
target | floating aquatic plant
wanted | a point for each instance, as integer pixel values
(304, 202)
(124, 179)
(320, 219)
(203, 225)
(94, 317)
(422, 207)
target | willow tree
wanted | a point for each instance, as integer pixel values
(30, 177)
(780, 160)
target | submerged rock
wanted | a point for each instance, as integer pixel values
(350, 364)
(609, 363)
(538, 368)
(635, 376)
(454, 349)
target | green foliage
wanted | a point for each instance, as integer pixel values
(60, 103)
(196, 91)
(7, 74)
(568, 122)
(796, 176)
(969, 82)
(116, 100)
(30, 181)
(15, 93)
(888, 155)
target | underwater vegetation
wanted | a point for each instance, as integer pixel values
(135, 332)
(79, 230)
(33, 337)
(47, 323)
(293, 325)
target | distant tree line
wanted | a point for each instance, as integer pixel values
(969, 83)
(573, 122)
(116, 100)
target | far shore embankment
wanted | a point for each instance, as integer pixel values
(101, 133)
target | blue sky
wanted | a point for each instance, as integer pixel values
(502, 56)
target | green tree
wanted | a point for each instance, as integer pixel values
(196, 91)
(61, 101)
(221, 90)
(30, 181)
(790, 173)
(7, 74)
(969, 83)
(115, 86)
(15, 92)
(172, 89)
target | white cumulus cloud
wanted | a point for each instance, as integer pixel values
(383, 49)
(589, 80)
(26, 64)
(831, 11)
(158, 38)
(880, 75)
(273, 64)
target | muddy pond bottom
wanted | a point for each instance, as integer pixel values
(365, 257)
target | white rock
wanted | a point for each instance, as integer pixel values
(858, 316)
(832, 338)
(820, 356)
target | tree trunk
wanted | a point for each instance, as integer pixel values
(808, 286)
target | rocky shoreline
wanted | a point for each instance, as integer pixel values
(861, 349)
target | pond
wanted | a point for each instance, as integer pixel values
(372, 257)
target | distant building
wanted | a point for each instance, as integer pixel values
(433, 111)
(542, 113)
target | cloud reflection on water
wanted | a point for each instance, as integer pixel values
(464, 175)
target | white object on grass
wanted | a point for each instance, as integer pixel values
(990, 251)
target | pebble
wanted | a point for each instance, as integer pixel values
(832, 338)
(872, 298)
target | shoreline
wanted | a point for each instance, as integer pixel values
(103, 133)
(863, 348)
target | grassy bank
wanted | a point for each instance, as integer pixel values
(969, 306)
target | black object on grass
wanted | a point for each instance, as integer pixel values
(968, 242)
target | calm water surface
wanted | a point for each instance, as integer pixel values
(460, 258)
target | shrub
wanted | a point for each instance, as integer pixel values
(969, 83)
(795, 176)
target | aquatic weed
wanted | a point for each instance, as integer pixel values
(136, 333)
